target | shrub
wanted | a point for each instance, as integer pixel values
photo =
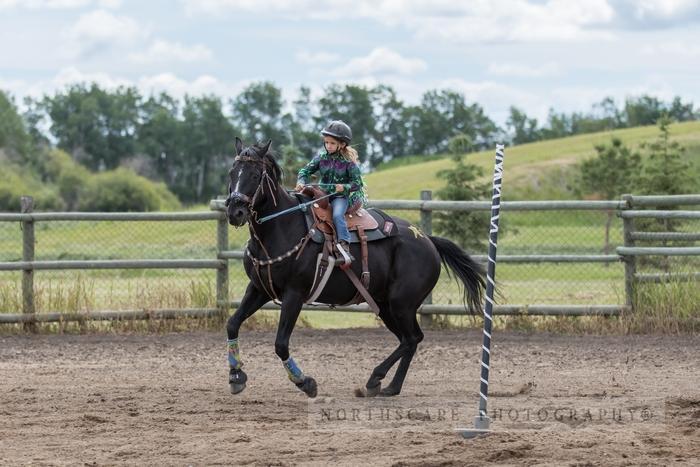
(14, 184)
(124, 190)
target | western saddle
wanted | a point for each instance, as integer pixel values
(360, 222)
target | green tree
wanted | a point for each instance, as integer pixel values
(72, 179)
(681, 112)
(460, 144)
(14, 139)
(95, 126)
(304, 130)
(293, 159)
(614, 171)
(257, 111)
(207, 146)
(34, 117)
(443, 114)
(643, 110)
(523, 128)
(159, 138)
(467, 228)
(558, 125)
(610, 115)
(390, 132)
(123, 190)
(665, 172)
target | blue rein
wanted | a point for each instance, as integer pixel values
(301, 207)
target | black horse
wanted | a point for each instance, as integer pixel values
(404, 269)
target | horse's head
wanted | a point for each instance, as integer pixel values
(253, 177)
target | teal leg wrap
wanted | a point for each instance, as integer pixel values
(234, 357)
(295, 374)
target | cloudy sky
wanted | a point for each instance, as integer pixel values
(534, 54)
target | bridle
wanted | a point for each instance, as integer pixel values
(249, 201)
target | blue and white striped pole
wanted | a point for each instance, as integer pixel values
(482, 421)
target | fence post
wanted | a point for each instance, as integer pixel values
(426, 221)
(222, 299)
(631, 260)
(26, 207)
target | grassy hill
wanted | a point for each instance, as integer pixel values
(527, 166)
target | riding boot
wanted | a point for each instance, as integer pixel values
(344, 246)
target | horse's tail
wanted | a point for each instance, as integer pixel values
(468, 271)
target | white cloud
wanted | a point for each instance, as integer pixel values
(151, 84)
(673, 50)
(475, 22)
(113, 4)
(71, 75)
(162, 51)
(496, 98)
(663, 9)
(316, 58)
(178, 87)
(59, 4)
(102, 29)
(520, 70)
(380, 61)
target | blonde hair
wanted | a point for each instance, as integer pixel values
(350, 154)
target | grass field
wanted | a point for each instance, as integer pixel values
(543, 232)
(76, 291)
(524, 165)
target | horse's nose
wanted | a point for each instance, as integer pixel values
(236, 216)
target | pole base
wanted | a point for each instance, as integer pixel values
(481, 428)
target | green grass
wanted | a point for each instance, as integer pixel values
(543, 232)
(524, 164)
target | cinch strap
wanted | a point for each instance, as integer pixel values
(234, 357)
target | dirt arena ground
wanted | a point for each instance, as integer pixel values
(164, 399)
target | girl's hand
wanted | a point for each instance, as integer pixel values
(339, 188)
(299, 187)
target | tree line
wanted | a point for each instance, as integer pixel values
(604, 116)
(187, 144)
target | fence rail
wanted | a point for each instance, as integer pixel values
(113, 264)
(627, 209)
(657, 251)
(501, 310)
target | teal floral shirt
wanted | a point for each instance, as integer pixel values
(334, 169)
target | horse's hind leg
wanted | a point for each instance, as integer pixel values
(252, 300)
(373, 385)
(411, 340)
(403, 304)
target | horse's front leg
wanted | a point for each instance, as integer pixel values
(252, 300)
(291, 306)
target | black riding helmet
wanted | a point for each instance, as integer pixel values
(339, 130)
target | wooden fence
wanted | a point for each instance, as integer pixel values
(628, 208)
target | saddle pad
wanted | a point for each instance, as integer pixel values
(359, 218)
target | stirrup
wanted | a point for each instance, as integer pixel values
(347, 257)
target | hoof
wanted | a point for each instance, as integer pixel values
(389, 392)
(372, 392)
(309, 387)
(237, 380)
(368, 392)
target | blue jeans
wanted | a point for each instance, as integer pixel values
(340, 205)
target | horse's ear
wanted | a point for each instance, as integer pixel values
(239, 145)
(266, 148)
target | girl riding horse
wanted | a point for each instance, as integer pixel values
(281, 266)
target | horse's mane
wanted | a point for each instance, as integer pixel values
(269, 157)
